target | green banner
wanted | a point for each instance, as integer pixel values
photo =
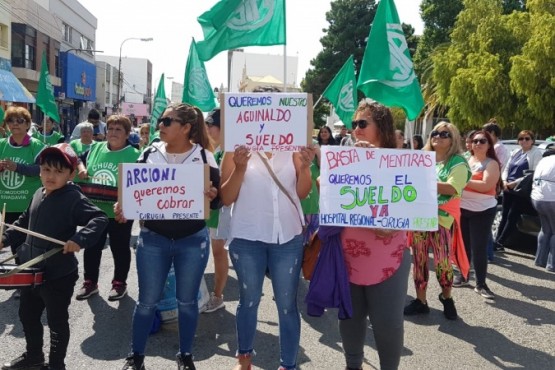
(196, 86)
(387, 73)
(158, 107)
(236, 23)
(342, 92)
(45, 93)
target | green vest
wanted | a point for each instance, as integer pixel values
(49, 140)
(102, 167)
(310, 204)
(79, 147)
(17, 190)
(214, 219)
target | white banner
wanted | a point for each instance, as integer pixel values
(270, 122)
(378, 188)
(164, 192)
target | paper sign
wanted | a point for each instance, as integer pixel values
(164, 192)
(378, 188)
(270, 122)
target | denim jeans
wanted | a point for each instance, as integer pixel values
(250, 260)
(545, 254)
(155, 255)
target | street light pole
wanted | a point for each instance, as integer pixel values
(119, 65)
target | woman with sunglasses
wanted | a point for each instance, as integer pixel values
(452, 175)
(99, 175)
(19, 167)
(378, 263)
(520, 161)
(184, 139)
(478, 208)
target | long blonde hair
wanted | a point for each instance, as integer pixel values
(456, 143)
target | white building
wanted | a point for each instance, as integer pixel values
(248, 70)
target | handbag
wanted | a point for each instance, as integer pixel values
(310, 255)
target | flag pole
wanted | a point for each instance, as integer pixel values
(317, 101)
(284, 67)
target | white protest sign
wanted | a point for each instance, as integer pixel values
(164, 192)
(378, 188)
(270, 122)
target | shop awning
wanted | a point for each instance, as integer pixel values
(11, 89)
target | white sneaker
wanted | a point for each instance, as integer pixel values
(213, 304)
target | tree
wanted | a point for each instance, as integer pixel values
(472, 75)
(439, 18)
(349, 27)
(533, 71)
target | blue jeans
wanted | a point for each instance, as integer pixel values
(250, 260)
(155, 256)
(545, 254)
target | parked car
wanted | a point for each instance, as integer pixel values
(529, 224)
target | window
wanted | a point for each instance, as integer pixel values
(3, 36)
(66, 32)
(30, 57)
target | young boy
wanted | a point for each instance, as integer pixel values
(56, 210)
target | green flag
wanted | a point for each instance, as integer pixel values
(1, 114)
(387, 74)
(45, 93)
(341, 92)
(235, 23)
(158, 107)
(196, 87)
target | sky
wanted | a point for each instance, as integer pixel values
(172, 24)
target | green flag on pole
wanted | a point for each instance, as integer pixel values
(387, 73)
(235, 23)
(196, 87)
(45, 93)
(341, 92)
(158, 107)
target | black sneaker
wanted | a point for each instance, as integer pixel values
(185, 362)
(416, 307)
(449, 309)
(459, 281)
(498, 247)
(484, 291)
(119, 290)
(134, 362)
(25, 362)
(88, 288)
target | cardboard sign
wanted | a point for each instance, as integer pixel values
(269, 122)
(378, 188)
(164, 192)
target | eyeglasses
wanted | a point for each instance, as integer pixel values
(441, 134)
(19, 121)
(479, 141)
(360, 123)
(524, 138)
(167, 121)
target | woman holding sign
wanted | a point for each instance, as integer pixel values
(266, 228)
(377, 260)
(183, 243)
(452, 175)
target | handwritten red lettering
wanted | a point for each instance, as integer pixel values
(342, 158)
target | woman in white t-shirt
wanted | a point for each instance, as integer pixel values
(543, 199)
(478, 208)
(266, 228)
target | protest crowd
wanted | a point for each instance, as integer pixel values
(261, 200)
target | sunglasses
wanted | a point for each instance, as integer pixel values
(479, 141)
(360, 123)
(524, 138)
(167, 121)
(441, 134)
(19, 121)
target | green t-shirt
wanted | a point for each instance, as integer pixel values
(16, 190)
(456, 172)
(50, 139)
(79, 147)
(310, 204)
(102, 168)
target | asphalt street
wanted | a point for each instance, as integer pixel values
(516, 331)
